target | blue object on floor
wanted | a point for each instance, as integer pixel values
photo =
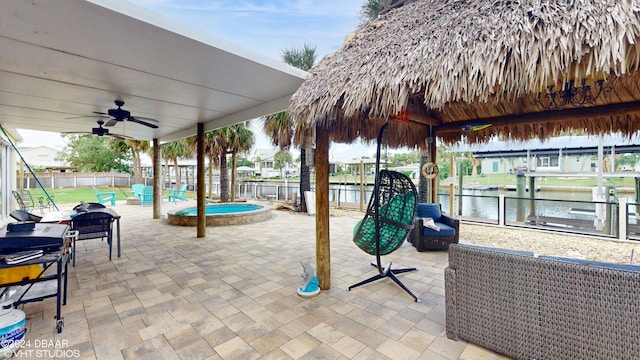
(311, 286)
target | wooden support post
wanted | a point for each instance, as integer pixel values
(433, 183)
(323, 258)
(362, 185)
(451, 187)
(520, 186)
(157, 178)
(460, 184)
(532, 196)
(637, 195)
(201, 221)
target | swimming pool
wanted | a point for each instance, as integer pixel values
(221, 214)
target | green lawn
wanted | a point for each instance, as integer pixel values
(86, 194)
(76, 195)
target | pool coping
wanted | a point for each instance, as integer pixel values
(238, 218)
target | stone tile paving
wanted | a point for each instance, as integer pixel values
(232, 295)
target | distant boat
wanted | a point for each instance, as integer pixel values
(480, 187)
(514, 188)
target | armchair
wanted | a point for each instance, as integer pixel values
(177, 193)
(146, 195)
(137, 189)
(425, 238)
(105, 196)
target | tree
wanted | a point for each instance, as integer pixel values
(241, 139)
(229, 140)
(403, 159)
(135, 148)
(280, 161)
(173, 151)
(281, 128)
(93, 153)
(370, 10)
(212, 152)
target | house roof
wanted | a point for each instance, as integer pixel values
(42, 157)
(265, 154)
(446, 66)
(568, 144)
(63, 60)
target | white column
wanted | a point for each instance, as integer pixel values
(501, 207)
(622, 219)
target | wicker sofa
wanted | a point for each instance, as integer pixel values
(424, 238)
(540, 307)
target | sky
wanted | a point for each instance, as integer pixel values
(264, 26)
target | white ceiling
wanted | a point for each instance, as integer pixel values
(67, 59)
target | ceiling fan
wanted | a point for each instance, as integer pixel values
(100, 131)
(119, 115)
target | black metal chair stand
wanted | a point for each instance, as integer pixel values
(388, 220)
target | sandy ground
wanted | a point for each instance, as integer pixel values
(549, 243)
(543, 242)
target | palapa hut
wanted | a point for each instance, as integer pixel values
(528, 68)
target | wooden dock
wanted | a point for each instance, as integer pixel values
(552, 221)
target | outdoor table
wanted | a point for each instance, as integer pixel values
(66, 216)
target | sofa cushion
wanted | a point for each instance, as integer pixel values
(430, 211)
(445, 230)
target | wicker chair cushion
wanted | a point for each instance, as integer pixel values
(445, 230)
(430, 211)
(398, 210)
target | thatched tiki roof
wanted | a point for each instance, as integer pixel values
(451, 63)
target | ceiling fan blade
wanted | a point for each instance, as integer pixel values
(100, 113)
(135, 120)
(86, 116)
(120, 137)
(147, 119)
(111, 122)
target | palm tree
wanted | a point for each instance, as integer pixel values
(281, 128)
(137, 147)
(210, 151)
(218, 145)
(213, 154)
(370, 10)
(241, 139)
(173, 151)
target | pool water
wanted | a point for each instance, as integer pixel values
(223, 209)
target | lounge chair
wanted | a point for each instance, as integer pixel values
(178, 194)
(25, 200)
(21, 201)
(105, 196)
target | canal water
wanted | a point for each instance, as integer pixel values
(482, 204)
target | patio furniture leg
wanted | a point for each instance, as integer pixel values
(390, 273)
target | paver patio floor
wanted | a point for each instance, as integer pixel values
(232, 295)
